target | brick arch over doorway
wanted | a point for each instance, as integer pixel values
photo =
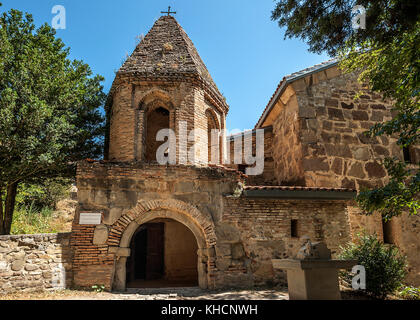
(198, 223)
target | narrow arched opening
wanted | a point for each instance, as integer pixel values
(156, 120)
(213, 138)
(163, 254)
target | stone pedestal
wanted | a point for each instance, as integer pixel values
(313, 279)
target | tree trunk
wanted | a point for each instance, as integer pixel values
(9, 208)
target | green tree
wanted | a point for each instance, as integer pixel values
(386, 54)
(49, 109)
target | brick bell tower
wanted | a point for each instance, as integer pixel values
(164, 84)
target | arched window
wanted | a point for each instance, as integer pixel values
(156, 120)
(213, 138)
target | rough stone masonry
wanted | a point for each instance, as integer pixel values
(210, 225)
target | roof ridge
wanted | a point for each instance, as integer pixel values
(293, 77)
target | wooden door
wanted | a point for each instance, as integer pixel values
(155, 246)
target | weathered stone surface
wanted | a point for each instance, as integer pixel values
(316, 164)
(31, 267)
(307, 112)
(361, 153)
(335, 114)
(227, 233)
(375, 170)
(337, 166)
(223, 250)
(356, 170)
(238, 251)
(331, 137)
(338, 150)
(381, 151)
(360, 116)
(17, 265)
(348, 184)
(28, 266)
(223, 263)
(100, 235)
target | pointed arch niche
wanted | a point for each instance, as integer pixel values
(215, 149)
(155, 112)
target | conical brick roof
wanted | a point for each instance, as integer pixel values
(167, 52)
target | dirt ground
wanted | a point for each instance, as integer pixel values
(193, 293)
(153, 294)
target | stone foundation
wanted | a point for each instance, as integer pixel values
(35, 262)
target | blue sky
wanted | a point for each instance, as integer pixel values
(244, 50)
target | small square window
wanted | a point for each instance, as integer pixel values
(407, 155)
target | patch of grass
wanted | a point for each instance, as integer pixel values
(27, 220)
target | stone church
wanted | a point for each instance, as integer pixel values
(208, 224)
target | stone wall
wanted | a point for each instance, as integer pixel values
(319, 141)
(319, 133)
(35, 262)
(287, 143)
(268, 177)
(402, 231)
(191, 194)
(265, 231)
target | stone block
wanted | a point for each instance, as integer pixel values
(223, 250)
(338, 150)
(360, 115)
(223, 263)
(306, 111)
(315, 164)
(337, 166)
(361, 153)
(375, 170)
(238, 251)
(335, 114)
(17, 265)
(356, 170)
(100, 235)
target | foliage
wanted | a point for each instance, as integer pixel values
(43, 194)
(30, 221)
(49, 108)
(98, 288)
(326, 25)
(385, 266)
(387, 56)
(409, 293)
(394, 70)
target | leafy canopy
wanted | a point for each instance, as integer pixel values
(49, 105)
(50, 109)
(386, 54)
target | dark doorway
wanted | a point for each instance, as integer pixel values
(156, 120)
(147, 253)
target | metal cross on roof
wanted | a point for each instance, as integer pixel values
(169, 11)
